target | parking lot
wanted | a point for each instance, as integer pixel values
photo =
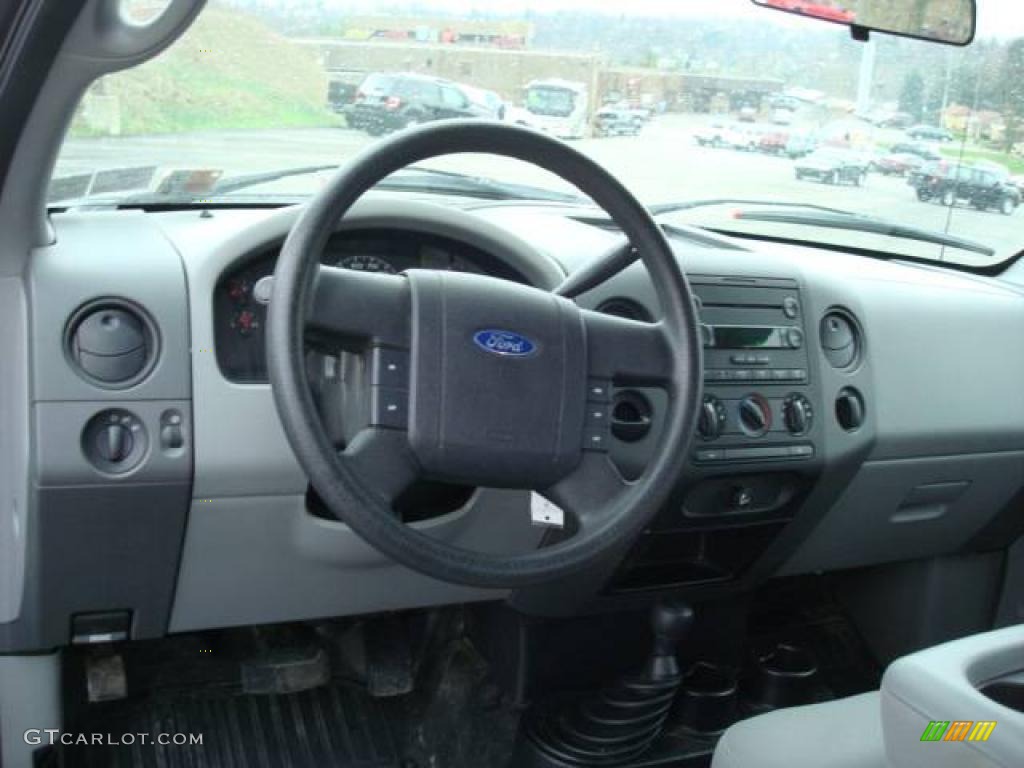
(663, 164)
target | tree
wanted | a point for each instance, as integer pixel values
(912, 94)
(1012, 91)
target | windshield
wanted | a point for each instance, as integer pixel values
(686, 102)
(548, 100)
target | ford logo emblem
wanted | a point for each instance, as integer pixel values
(504, 343)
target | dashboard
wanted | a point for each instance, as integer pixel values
(243, 292)
(838, 427)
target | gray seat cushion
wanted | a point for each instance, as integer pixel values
(845, 733)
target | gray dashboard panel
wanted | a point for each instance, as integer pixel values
(908, 508)
(95, 541)
(943, 352)
(250, 560)
(14, 445)
(251, 551)
(111, 255)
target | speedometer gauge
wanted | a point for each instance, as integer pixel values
(362, 263)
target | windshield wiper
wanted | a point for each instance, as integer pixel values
(855, 222)
(662, 209)
(809, 214)
(235, 183)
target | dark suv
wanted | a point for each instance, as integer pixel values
(981, 188)
(387, 102)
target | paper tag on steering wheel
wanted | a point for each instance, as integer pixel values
(544, 513)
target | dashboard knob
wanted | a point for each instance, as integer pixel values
(755, 415)
(712, 418)
(798, 413)
(114, 443)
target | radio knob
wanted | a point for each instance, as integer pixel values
(712, 418)
(795, 338)
(755, 415)
(798, 413)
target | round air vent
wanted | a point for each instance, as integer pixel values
(627, 308)
(840, 339)
(631, 416)
(111, 343)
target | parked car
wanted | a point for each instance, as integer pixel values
(773, 142)
(726, 135)
(490, 103)
(895, 120)
(341, 89)
(929, 133)
(926, 153)
(832, 166)
(747, 114)
(389, 102)
(898, 163)
(981, 188)
(618, 121)
(800, 145)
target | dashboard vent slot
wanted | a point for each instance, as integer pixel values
(840, 339)
(111, 343)
(627, 308)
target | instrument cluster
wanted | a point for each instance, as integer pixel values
(243, 292)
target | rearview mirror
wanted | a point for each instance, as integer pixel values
(941, 21)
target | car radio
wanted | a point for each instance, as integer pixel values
(759, 403)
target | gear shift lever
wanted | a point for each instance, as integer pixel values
(670, 622)
(624, 719)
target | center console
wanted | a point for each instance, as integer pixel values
(968, 694)
(759, 443)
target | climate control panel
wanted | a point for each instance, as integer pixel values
(759, 390)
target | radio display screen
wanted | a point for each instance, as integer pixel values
(747, 337)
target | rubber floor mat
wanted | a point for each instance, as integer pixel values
(336, 725)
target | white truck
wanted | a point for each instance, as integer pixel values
(558, 107)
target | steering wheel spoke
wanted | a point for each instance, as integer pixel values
(628, 351)
(382, 460)
(356, 309)
(589, 494)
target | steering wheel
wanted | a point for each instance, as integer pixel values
(480, 381)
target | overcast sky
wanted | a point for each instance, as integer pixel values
(1003, 18)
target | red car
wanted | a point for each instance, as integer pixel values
(773, 143)
(898, 164)
(816, 10)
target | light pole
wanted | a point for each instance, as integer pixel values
(867, 74)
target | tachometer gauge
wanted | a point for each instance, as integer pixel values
(238, 290)
(367, 264)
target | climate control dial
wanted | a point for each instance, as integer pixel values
(712, 418)
(799, 414)
(755, 414)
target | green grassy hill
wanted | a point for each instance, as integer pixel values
(228, 71)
